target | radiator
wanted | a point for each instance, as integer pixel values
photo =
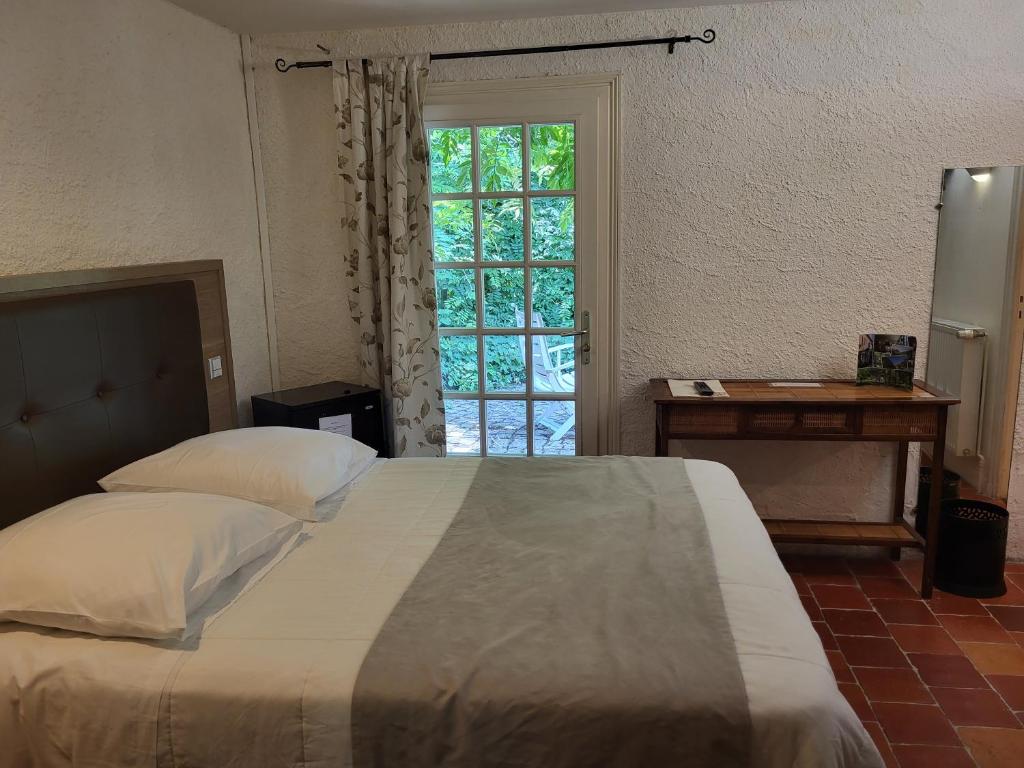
(956, 364)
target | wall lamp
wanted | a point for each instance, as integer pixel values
(980, 174)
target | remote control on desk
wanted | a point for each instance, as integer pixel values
(703, 389)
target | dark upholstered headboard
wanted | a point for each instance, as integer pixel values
(93, 376)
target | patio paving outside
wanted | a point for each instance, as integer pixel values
(506, 428)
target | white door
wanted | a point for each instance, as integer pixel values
(523, 220)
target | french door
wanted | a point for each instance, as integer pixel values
(523, 224)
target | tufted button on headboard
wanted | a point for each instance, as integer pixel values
(91, 381)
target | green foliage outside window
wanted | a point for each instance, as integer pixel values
(451, 164)
(456, 297)
(552, 167)
(501, 158)
(552, 157)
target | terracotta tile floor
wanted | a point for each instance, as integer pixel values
(937, 683)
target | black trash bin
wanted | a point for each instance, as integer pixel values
(972, 548)
(950, 490)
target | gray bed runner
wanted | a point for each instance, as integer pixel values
(571, 616)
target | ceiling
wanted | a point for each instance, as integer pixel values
(317, 15)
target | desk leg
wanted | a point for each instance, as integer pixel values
(660, 441)
(899, 490)
(934, 504)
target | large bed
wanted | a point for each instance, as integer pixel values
(277, 674)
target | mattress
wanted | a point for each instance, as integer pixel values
(270, 680)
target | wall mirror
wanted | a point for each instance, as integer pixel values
(977, 324)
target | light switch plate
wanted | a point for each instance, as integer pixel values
(216, 367)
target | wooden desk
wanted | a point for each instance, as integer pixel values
(838, 410)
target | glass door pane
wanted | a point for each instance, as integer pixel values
(506, 285)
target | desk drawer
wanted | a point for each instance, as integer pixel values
(913, 423)
(704, 420)
(803, 420)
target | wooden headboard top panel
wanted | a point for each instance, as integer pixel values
(101, 367)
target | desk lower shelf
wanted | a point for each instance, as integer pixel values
(829, 532)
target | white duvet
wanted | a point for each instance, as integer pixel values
(270, 681)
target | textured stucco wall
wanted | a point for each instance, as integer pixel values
(124, 140)
(777, 193)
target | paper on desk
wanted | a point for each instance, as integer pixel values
(684, 387)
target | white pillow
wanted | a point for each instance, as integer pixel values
(283, 467)
(130, 564)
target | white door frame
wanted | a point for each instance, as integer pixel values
(1008, 371)
(592, 101)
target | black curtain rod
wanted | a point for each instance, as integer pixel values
(707, 37)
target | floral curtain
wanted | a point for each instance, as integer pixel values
(382, 159)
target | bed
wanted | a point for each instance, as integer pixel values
(278, 675)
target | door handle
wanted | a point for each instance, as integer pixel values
(584, 333)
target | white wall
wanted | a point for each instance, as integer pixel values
(777, 193)
(124, 140)
(971, 272)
